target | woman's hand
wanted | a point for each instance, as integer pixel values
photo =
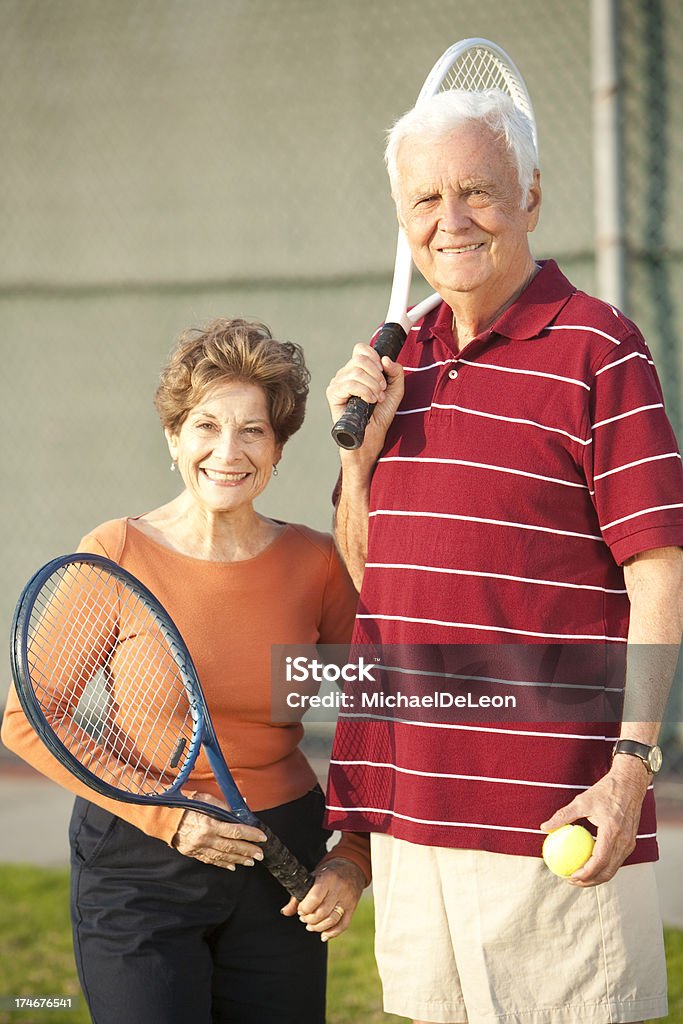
(221, 843)
(329, 905)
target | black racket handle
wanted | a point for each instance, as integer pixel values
(284, 866)
(349, 430)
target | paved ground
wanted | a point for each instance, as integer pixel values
(34, 815)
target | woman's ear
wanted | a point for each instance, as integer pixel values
(172, 442)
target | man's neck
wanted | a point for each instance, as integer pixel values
(471, 317)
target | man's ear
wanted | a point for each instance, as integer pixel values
(533, 204)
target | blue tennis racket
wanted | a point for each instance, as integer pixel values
(105, 679)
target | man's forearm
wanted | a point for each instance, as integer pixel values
(381, 384)
(655, 584)
(351, 521)
(654, 581)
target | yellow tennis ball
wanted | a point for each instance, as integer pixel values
(567, 849)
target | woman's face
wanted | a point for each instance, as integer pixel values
(226, 447)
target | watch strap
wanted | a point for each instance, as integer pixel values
(633, 747)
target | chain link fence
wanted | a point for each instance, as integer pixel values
(651, 50)
(166, 162)
(650, 40)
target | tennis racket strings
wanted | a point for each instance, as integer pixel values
(471, 65)
(481, 68)
(108, 681)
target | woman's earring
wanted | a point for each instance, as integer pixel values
(173, 467)
(274, 470)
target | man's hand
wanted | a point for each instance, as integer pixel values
(613, 804)
(328, 906)
(377, 382)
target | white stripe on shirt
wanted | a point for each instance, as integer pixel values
(433, 821)
(625, 415)
(483, 627)
(451, 824)
(485, 466)
(525, 373)
(454, 775)
(493, 416)
(624, 359)
(644, 512)
(473, 678)
(583, 327)
(431, 366)
(459, 727)
(481, 519)
(491, 575)
(640, 462)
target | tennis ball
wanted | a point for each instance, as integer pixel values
(567, 849)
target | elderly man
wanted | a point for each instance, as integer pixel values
(519, 483)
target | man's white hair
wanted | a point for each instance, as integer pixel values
(438, 116)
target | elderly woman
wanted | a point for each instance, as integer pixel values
(174, 919)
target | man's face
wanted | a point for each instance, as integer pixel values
(459, 202)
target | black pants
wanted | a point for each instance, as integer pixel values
(161, 938)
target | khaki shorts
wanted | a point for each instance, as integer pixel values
(466, 935)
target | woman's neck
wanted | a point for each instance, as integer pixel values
(212, 536)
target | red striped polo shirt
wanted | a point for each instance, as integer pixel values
(517, 477)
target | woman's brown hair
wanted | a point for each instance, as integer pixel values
(234, 350)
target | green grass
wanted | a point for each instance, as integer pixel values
(36, 956)
(354, 994)
(674, 963)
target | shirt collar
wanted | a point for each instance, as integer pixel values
(529, 315)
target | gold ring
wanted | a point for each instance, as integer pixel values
(338, 909)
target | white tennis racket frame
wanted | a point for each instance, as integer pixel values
(489, 67)
(435, 80)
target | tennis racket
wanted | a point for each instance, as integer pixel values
(106, 681)
(473, 65)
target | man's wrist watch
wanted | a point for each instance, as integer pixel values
(650, 756)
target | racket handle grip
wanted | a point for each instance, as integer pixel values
(283, 865)
(349, 430)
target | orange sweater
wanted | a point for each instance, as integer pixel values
(229, 614)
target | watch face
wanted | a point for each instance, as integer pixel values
(655, 759)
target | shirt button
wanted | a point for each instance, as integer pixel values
(452, 374)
